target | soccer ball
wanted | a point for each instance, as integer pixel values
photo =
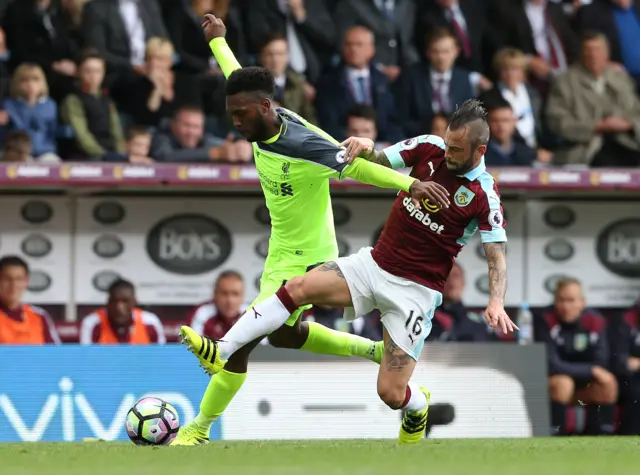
(152, 421)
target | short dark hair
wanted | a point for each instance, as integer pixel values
(270, 38)
(473, 115)
(498, 103)
(87, 54)
(251, 79)
(437, 34)
(593, 35)
(15, 139)
(228, 274)
(13, 261)
(136, 131)
(362, 111)
(121, 284)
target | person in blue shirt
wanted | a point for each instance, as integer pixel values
(30, 109)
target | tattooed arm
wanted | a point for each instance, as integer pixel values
(497, 262)
(379, 157)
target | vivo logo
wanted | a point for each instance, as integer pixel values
(72, 406)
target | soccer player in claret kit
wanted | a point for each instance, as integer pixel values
(294, 160)
(403, 276)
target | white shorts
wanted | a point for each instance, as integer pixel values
(406, 307)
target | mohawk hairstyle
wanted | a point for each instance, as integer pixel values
(251, 79)
(474, 116)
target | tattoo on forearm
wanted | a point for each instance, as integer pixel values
(378, 156)
(396, 358)
(497, 262)
(331, 266)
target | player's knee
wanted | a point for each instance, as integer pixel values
(393, 395)
(608, 390)
(561, 388)
(297, 290)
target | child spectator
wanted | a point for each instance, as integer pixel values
(137, 147)
(31, 110)
(91, 113)
(17, 148)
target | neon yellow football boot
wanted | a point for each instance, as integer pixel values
(205, 349)
(414, 424)
(190, 435)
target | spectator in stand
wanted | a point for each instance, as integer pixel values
(71, 18)
(543, 32)
(308, 27)
(36, 33)
(184, 19)
(138, 147)
(290, 86)
(91, 113)
(392, 25)
(467, 20)
(187, 141)
(121, 321)
(593, 106)
(619, 21)
(625, 352)
(435, 87)
(31, 110)
(21, 324)
(5, 72)
(510, 65)
(215, 318)
(453, 321)
(506, 148)
(439, 125)
(151, 98)
(17, 149)
(120, 29)
(578, 352)
(356, 81)
(361, 122)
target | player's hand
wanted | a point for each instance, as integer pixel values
(496, 317)
(430, 190)
(213, 27)
(357, 146)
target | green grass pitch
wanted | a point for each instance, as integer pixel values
(561, 456)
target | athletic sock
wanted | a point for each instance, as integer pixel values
(325, 341)
(221, 390)
(263, 319)
(415, 400)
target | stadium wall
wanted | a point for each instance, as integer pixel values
(71, 393)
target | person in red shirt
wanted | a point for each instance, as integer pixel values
(214, 318)
(21, 324)
(121, 321)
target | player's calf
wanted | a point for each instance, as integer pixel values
(292, 337)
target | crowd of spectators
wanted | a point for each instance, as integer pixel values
(134, 80)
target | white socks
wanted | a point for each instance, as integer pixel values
(261, 320)
(417, 400)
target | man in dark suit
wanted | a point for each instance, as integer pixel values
(307, 25)
(506, 148)
(356, 81)
(119, 30)
(392, 23)
(437, 87)
(542, 31)
(619, 21)
(467, 20)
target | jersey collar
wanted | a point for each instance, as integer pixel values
(475, 173)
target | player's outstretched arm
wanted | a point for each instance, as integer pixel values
(214, 32)
(365, 148)
(495, 314)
